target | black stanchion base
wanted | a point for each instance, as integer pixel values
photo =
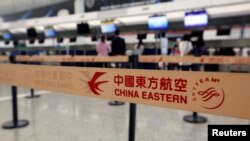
(32, 96)
(193, 119)
(12, 125)
(116, 103)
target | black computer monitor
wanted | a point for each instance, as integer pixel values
(93, 38)
(59, 40)
(32, 41)
(15, 43)
(83, 28)
(72, 39)
(197, 33)
(31, 32)
(160, 35)
(110, 37)
(6, 42)
(41, 40)
(223, 31)
(141, 36)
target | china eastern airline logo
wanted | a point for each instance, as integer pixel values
(95, 83)
(208, 93)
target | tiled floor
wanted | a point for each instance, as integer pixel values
(61, 117)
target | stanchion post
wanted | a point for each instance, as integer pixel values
(15, 123)
(132, 122)
(32, 91)
(195, 118)
(132, 107)
(32, 94)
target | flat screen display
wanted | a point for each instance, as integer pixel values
(50, 33)
(72, 39)
(141, 36)
(223, 32)
(7, 36)
(83, 28)
(31, 32)
(108, 27)
(157, 23)
(196, 19)
(41, 40)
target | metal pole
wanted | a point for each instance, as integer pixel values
(32, 94)
(132, 122)
(14, 104)
(15, 123)
(132, 106)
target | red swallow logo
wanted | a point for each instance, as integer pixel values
(160, 59)
(94, 84)
(202, 60)
(209, 94)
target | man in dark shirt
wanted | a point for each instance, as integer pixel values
(118, 45)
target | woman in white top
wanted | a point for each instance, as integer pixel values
(185, 46)
(139, 48)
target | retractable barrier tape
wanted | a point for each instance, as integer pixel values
(4, 58)
(214, 93)
(72, 58)
(195, 60)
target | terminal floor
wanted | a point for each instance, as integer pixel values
(62, 117)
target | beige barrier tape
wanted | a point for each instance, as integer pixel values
(4, 58)
(72, 58)
(215, 93)
(197, 60)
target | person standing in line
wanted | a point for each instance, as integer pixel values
(198, 51)
(185, 46)
(118, 47)
(102, 47)
(174, 52)
(139, 48)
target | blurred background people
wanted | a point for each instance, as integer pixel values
(198, 50)
(118, 44)
(118, 47)
(185, 47)
(174, 52)
(102, 47)
(139, 48)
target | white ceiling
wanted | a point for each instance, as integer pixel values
(14, 6)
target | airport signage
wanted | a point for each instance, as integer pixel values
(214, 93)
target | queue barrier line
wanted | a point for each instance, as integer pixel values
(212, 93)
(142, 59)
(4, 58)
(195, 60)
(54, 58)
